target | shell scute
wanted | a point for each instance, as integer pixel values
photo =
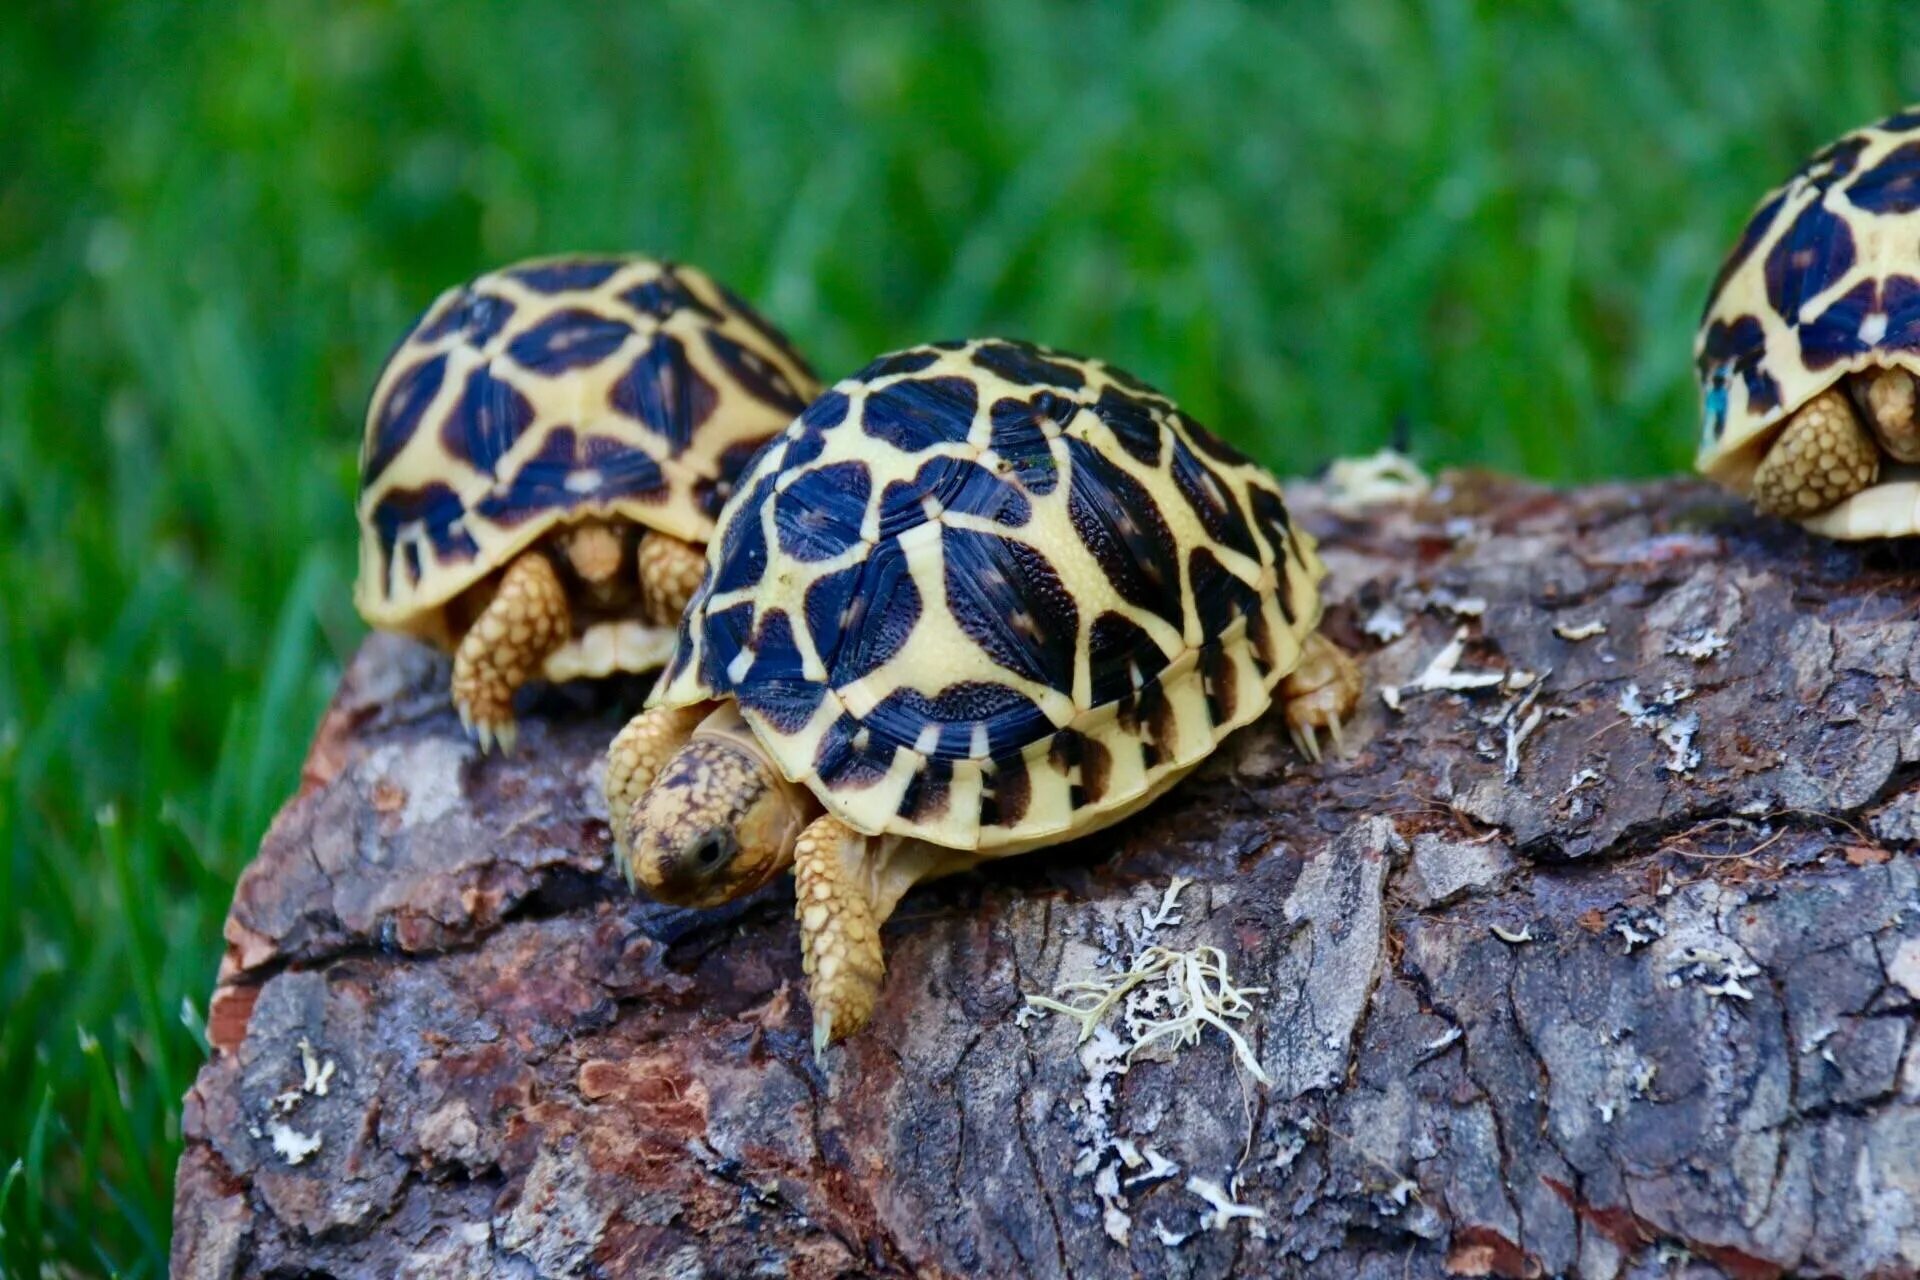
(1022, 432)
(914, 414)
(757, 375)
(1132, 424)
(399, 415)
(1008, 598)
(1892, 185)
(567, 340)
(1123, 529)
(565, 275)
(664, 393)
(1211, 502)
(1121, 657)
(487, 420)
(882, 607)
(1813, 254)
(1026, 365)
(573, 471)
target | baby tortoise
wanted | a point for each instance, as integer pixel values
(980, 599)
(545, 454)
(1810, 343)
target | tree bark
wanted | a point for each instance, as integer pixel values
(1610, 972)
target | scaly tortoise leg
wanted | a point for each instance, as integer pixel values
(648, 741)
(1822, 457)
(527, 619)
(1887, 399)
(839, 928)
(669, 574)
(1319, 693)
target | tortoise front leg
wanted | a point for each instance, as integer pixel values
(839, 928)
(527, 619)
(1319, 693)
(845, 886)
(669, 574)
(1822, 457)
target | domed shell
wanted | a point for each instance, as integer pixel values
(1824, 281)
(553, 391)
(992, 596)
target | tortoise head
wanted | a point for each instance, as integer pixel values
(717, 822)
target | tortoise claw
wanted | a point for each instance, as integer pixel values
(1305, 741)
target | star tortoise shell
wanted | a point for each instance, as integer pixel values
(991, 596)
(553, 391)
(1824, 281)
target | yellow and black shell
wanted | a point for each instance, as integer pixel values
(1823, 282)
(554, 391)
(993, 596)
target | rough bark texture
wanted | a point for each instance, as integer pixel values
(1642, 1005)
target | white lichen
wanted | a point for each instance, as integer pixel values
(1719, 974)
(1520, 722)
(1169, 903)
(1386, 476)
(1386, 623)
(1222, 1208)
(1671, 729)
(1442, 675)
(1189, 990)
(1702, 644)
(1639, 931)
(290, 1144)
(1157, 1168)
(315, 1076)
(1162, 996)
(1445, 600)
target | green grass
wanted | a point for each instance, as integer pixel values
(1492, 223)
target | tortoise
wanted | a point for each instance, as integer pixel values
(545, 452)
(1810, 342)
(981, 598)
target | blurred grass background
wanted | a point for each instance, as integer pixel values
(1491, 222)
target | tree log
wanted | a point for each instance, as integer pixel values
(1600, 956)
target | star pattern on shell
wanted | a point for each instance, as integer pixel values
(983, 592)
(1823, 281)
(556, 390)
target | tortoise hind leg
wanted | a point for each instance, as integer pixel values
(1822, 457)
(527, 619)
(669, 574)
(1320, 692)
